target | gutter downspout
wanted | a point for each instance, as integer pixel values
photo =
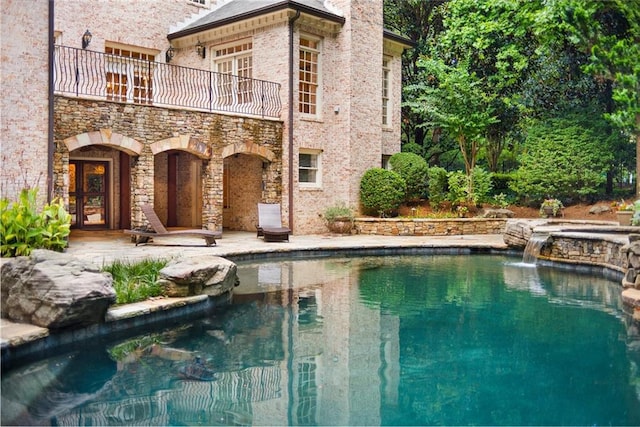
(291, 51)
(50, 139)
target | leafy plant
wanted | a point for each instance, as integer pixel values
(341, 210)
(562, 157)
(22, 229)
(500, 200)
(136, 281)
(414, 170)
(550, 205)
(473, 188)
(635, 219)
(382, 190)
(438, 186)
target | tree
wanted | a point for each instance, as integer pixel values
(452, 99)
(609, 33)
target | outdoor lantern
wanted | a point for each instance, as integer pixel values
(170, 53)
(200, 49)
(86, 39)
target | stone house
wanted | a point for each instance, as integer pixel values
(200, 108)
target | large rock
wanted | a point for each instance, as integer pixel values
(498, 213)
(518, 232)
(54, 290)
(206, 275)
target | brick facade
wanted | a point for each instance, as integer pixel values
(253, 159)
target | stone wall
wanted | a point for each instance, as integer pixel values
(428, 227)
(145, 132)
(589, 249)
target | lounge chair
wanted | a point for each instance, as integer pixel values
(270, 223)
(158, 230)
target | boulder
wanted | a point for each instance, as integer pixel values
(206, 275)
(54, 290)
(498, 213)
(518, 232)
(599, 209)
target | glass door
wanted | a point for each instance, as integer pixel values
(88, 193)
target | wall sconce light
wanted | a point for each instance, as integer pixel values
(86, 39)
(201, 50)
(170, 54)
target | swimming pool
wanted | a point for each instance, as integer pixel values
(394, 340)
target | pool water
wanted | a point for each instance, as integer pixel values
(396, 340)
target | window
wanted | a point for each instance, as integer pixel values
(309, 77)
(385, 161)
(200, 2)
(235, 65)
(386, 73)
(309, 168)
(129, 75)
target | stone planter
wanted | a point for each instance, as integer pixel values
(624, 217)
(340, 225)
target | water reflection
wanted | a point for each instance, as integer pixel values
(361, 341)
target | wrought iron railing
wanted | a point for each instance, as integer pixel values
(85, 73)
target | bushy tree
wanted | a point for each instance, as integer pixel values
(413, 169)
(381, 191)
(562, 158)
(438, 186)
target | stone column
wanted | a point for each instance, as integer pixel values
(142, 185)
(212, 199)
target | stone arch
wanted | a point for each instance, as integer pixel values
(107, 138)
(248, 147)
(184, 143)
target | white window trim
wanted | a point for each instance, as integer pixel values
(388, 116)
(318, 51)
(318, 181)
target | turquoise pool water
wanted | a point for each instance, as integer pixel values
(396, 340)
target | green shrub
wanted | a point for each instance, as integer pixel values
(412, 147)
(500, 182)
(22, 229)
(381, 191)
(438, 182)
(414, 170)
(136, 281)
(562, 157)
(481, 185)
(458, 187)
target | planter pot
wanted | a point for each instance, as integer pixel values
(340, 225)
(548, 212)
(624, 217)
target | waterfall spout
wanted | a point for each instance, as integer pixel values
(534, 245)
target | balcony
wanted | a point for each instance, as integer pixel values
(84, 73)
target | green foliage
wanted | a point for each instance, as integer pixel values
(341, 210)
(553, 205)
(635, 219)
(500, 182)
(438, 183)
(453, 98)
(473, 188)
(481, 185)
(412, 147)
(458, 187)
(562, 157)
(414, 170)
(382, 191)
(22, 229)
(136, 281)
(500, 200)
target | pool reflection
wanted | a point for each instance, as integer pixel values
(357, 341)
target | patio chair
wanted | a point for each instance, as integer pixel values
(158, 230)
(270, 223)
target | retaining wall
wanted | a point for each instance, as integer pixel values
(429, 227)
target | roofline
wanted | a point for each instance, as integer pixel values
(387, 34)
(283, 5)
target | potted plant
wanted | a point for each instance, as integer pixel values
(624, 213)
(339, 218)
(550, 207)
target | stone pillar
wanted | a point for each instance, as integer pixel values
(142, 185)
(212, 201)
